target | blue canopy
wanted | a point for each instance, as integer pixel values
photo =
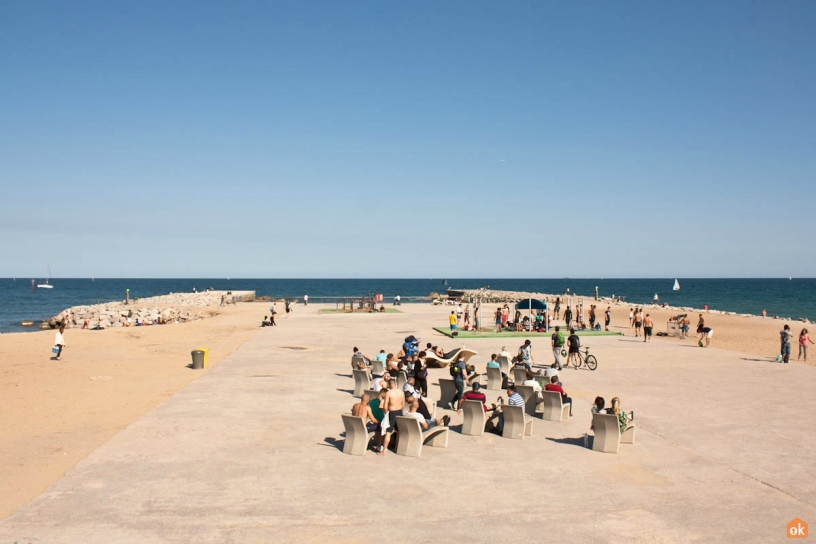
(531, 304)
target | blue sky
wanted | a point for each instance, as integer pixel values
(412, 139)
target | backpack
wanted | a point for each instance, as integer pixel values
(559, 340)
(455, 370)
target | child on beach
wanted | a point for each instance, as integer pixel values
(785, 343)
(804, 340)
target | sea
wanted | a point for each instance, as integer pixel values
(790, 298)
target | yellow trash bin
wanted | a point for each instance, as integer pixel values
(206, 355)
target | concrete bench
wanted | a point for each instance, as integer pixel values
(357, 361)
(516, 422)
(357, 437)
(377, 368)
(412, 437)
(402, 378)
(530, 401)
(494, 379)
(475, 418)
(519, 375)
(608, 436)
(362, 382)
(447, 391)
(554, 408)
(504, 364)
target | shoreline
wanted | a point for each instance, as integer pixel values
(502, 296)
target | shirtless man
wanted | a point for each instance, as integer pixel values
(435, 350)
(393, 406)
(363, 410)
(648, 324)
(381, 383)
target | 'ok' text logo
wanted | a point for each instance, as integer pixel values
(797, 528)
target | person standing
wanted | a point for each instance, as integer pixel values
(785, 341)
(557, 309)
(596, 292)
(804, 340)
(498, 317)
(631, 317)
(59, 341)
(638, 321)
(764, 313)
(452, 320)
(648, 324)
(459, 314)
(558, 346)
(305, 300)
(459, 380)
(467, 314)
(607, 317)
(568, 316)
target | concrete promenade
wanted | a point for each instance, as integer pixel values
(251, 452)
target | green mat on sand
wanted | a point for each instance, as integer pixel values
(492, 334)
(361, 312)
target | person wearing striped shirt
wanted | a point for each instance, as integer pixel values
(513, 399)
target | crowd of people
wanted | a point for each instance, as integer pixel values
(410, 400)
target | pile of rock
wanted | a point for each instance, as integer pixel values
(172, 308)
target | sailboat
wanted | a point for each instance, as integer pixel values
(45, 284)
(676, 285)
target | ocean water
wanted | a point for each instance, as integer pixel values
(788, 298)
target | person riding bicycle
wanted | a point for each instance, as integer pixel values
(574, 344)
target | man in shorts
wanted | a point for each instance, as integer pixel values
(785, 343)
(574, 344)
(648, 325)
(525, 354)
(452, 320)
(363, 410)
(707, 333)
(393, 406)
(607, 317)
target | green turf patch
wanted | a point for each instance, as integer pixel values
(492, 334)
(358, 312)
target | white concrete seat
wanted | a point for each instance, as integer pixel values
(377, 368)
(530, 401)
(447, 390)
(516, 423)
(608, 436)
(357, 437)
(475, 418)
(362, 382)
(504, 364)
(402, 378)
(519, 375)
(494, 379)
(554, 408)
(412, 437)
(432, 359)
(356, 362)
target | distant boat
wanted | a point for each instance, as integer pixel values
(45, 284)
(444, 282)
(676, 285)
(790, 278)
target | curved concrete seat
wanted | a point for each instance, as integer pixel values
(357, 437)
(554, 408)
(516, 422)
(402, 378)
(434, 360)
(475, 418)
(362, 382)
(447, 391)
(357, 361)
(504, 364)
(412, 438)
(519, 375)
(528, 394)
(608, 436)
(494, 379)
(377, 368)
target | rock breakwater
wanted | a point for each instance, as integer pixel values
(172, 308)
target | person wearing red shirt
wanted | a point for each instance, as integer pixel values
(553, 386)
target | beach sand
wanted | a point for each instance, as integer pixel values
(55, 413)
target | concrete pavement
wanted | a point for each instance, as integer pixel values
(251, 452)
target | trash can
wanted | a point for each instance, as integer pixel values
(198, 359)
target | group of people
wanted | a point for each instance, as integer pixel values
(392, 401)
(785, 337)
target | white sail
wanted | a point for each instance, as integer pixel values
(676, 285)
(46, 285)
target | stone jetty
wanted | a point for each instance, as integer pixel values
(172, 308)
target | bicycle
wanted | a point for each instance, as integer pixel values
(584, 358)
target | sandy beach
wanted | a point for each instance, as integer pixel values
(57, 413)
